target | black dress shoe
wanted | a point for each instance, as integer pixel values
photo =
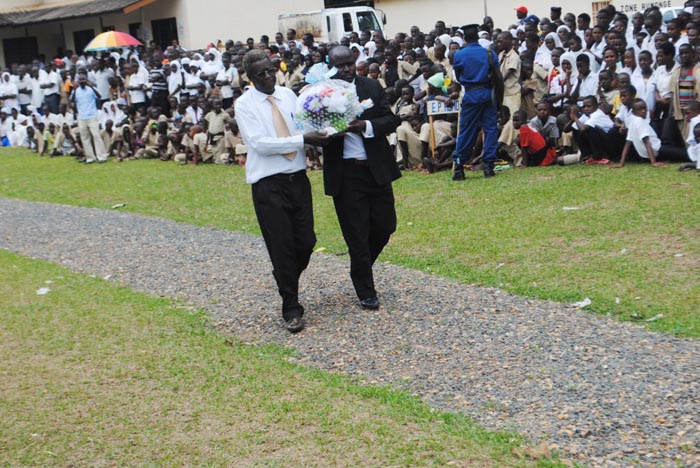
(294, 325)
(370, 303)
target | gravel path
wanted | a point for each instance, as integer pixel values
(605, 393)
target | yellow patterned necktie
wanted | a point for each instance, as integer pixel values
(281, 128)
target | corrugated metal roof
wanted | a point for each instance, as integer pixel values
(61, 11)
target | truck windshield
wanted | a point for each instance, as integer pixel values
(367, 21)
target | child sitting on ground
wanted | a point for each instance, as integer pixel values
(534, 147)
(48, 140)
(641, 135)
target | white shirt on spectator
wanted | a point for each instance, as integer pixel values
(23, 84)
(645, 88)
(9, 88)
(662, 81)
(597, 119)
(37, 97)
(137, 96)
(102, 81)
(227, 75)
(637, 130)
(597, 49)
(690, 137)
(589, 86)
(54, 79)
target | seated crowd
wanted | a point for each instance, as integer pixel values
(614, 90)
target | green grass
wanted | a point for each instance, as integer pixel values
(511, 232)
(94, 374)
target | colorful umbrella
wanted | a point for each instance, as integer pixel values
(111, 40)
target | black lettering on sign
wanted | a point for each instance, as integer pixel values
(627, 8)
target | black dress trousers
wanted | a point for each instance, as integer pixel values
(284, 210)
(367, 219)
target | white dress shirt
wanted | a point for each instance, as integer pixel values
(597, 119)
(53, 79)
(354, 145)
(23, 84)
(137, 96)
(265, 149)
(102, 81)
(227, 75)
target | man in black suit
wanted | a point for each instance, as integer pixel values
(357, 172)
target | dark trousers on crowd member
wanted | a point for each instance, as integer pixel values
(593, 143)
(673, 154)
(285, 214)
(52, 101)
(668, 131)
(159, 98)
(367, 219)
(475, 117)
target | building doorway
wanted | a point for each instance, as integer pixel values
(82, 38)
(164, 31)
(135, 30)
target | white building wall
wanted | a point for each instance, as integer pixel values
(238, 20)
(402, 14)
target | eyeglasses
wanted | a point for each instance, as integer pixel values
(264, 73)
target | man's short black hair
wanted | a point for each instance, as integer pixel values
(668, 49)
(591, 98)
(583, 58)
(631, 90)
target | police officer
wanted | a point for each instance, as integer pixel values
(477, 70)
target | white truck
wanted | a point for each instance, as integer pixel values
(331, 24)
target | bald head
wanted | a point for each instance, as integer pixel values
(342, 59)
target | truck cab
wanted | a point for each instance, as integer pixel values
(331, 24)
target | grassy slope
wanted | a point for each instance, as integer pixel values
(619, 248)
(97, 375)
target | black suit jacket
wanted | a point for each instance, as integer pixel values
(380, 158)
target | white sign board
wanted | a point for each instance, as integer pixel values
(629, 8)
(439, 107)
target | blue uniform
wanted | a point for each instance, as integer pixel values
(471, 64)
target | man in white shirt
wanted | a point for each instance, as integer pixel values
(37, 96)
(136, 87)
(591, 131)
(51, 86)
(224, 79)
(276, 169)
(24, 87)
(102, 75)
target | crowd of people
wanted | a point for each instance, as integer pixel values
(575, 89)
